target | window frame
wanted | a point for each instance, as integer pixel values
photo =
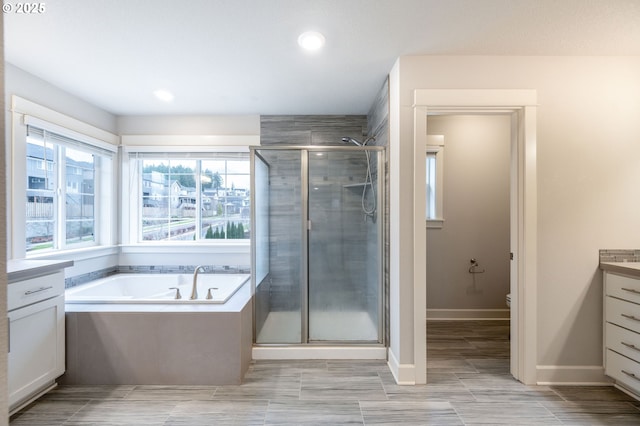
(26, 113)
(435, 148)
(132, 200)
(60, 168)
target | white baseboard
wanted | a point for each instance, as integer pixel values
(318, 352)
(468, 314)
(583, 375)
(403, 373)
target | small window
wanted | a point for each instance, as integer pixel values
(434, 184)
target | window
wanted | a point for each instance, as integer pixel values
(61, 195)
(434, 181)
(193, 198)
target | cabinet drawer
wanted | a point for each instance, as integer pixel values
(623, 370)
(623, 313)
(623, 287)
(623, 341)
(23, 293)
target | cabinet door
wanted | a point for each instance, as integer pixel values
(36, 347)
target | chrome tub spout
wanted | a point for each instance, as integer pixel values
(194, 289)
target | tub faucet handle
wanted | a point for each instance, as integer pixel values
(178, 295)
(209, 295)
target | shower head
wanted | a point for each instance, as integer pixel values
(351, 140)
(348, 139)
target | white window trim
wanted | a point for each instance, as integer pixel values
(132, 184)
(25, 112)
(435, 144)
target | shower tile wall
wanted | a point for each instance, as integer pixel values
(285, 228)
(304, 130)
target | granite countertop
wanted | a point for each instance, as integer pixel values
(627, 268)
(22, 269)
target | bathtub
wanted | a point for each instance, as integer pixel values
(156, 288)
(128, 329)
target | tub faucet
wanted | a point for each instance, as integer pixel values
(194, 289)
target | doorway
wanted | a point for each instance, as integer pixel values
(468, 244)
(521, 106)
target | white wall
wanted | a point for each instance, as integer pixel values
(190, 125)
(4, 338)
(588, 159)
(32, 88)
(21, 83)
(476, 212)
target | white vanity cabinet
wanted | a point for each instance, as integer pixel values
(622, 329)
(35, 307)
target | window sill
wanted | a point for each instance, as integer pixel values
(219, 247)
(435, 223)
(76, 254)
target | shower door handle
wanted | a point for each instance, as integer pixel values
(308, 224)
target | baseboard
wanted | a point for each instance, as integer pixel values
(318, 352)
(403, 373)
(468, 314)
(583, 375)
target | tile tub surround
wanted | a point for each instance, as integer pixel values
(153, 269)
(176, 344)
(469, 386)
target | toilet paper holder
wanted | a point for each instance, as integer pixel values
(475, 267)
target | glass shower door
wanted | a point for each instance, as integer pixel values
(279, 268)
(343, 247)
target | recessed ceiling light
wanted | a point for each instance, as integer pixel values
(163, 95)
(311, 40)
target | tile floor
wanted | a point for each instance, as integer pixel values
(468, 378)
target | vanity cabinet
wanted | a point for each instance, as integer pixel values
(622, 330)
(35, 307)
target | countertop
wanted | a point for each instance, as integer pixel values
(626, 268)
(23, 269)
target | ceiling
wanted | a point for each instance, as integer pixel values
(242, 57)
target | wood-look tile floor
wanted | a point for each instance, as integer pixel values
(469, 384)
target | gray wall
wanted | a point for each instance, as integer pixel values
(476, 214)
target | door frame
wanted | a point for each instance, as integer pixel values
(521, 105)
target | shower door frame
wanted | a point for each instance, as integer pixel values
(304, 246)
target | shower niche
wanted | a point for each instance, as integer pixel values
(317, 244)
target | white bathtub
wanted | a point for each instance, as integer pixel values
(131, 326)
(155, 288)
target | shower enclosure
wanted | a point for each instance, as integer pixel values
(317, 244)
